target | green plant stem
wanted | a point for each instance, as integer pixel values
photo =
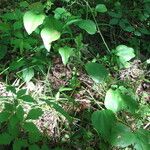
(98, 29)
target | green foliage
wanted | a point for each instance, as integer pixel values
(65, 53)
(49, 35)
(124, 55)
(34, 113)
(32, 20)
(121, 135)
(120, 99)
(96, 71)
(88, 25)
(78, 32)
(103, 121)
(101, 8)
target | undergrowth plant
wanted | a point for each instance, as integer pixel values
(35, 33)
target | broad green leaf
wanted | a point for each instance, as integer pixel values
(114, 100)
(21, 92)
(28, 74)
(19, 144)
(5, 139)
(88, 25)
(96, 71)
(48, 36)
(9, 108)
(3, 51)
(4, 116)
(121, 135)
(30, 127)
(142, 139)
(120, 99)
(34, 137)
(65, 53)
(124, 52)
(32, 20)
(101, 8)
(103, 121)
(34, 113)
(27, 98)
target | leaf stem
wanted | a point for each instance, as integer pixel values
(98, 29)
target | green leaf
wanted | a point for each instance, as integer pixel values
(19, 144)
(124, 52)
(65, 53)
(27, 98)
(28, 74)
(120, 99)
(17, 64)
(121, 135)
(114, 100)
(32, 20)
(3, 51)
(101, 8)
(61, 13)
(34, 113)
(20, 113)
(30, 127)
(9, 108)
(21, 92)
(87, 25)
(59, 109)
(24, 4)
(13, 121)
(4, 116)
(96, 71)
(34, 137)
(142, 140)
(11, 89)
(103, 121)
(48, 36)
(5, 139)
(114, 21)
(14, 131)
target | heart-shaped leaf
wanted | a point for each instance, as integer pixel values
(114, 100)
(121, 136)
(124, 52)
(101, 8)
(34, 113)
(49, 35)
(142, 140)
(32, 20)
(103, 121)
(96, 71)
(28, 74)
(88, 25)
(65, 53)
(120, 99)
